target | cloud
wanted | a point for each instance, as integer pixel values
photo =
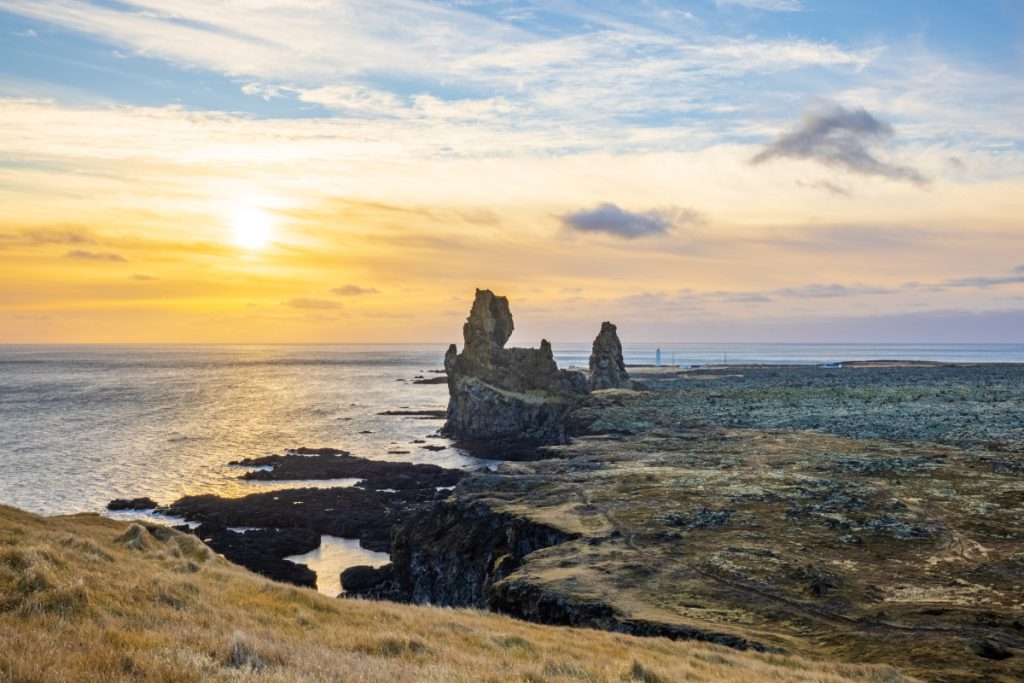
(769, 5)
(82, 255)
(144, 278)
(354, 290)
(986, 281)
(743, 297)
(613, 220)
(819, 291)
(43, 236)
(827, 186)
(839, 137)
(312, 304)
(355, 99)
(1019, 269)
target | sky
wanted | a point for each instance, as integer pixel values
(339, 171)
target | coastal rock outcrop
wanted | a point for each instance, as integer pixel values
(508, 398)
(453, 554)
(607, 367)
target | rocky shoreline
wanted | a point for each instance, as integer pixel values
(867, 514)
(259, 530)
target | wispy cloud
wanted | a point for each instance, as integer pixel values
(342, 56)
(986, 281)
(139, 277)
(827, 186)
(820, 291)
(769, 5)
(312, 304)
(354, 290)
(82, 255)
(613, 220)
(42, 236)
(839, 137)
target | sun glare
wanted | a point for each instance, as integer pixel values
(251, 227)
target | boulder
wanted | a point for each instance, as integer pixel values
(364, 578)
(132, 504)
(607, 368)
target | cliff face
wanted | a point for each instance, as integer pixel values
(453, 554)
(505, 396)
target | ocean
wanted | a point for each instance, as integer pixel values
(81, 425)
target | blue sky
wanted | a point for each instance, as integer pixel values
(734, 161)
(45, 50)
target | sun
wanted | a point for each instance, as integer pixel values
(251, 227)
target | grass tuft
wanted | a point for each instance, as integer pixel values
(639, 672)
(135, 538)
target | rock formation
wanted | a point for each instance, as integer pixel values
(607, 369)
(506, 397)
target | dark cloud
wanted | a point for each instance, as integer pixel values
(312, 304)
(1019, 269)
(82, 255)
(611, 219)
(353, 290)
(840, 138)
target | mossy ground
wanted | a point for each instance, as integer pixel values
(908, 551)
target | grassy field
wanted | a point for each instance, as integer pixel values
(84, 598)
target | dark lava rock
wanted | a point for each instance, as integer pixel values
(501, 395)
(990, 650)
(262, 550)
(423, 414)
(607, 368)
(453, 553)
(305, 450)
(432, 380)
(704, 518)
(346, 512)
(132, 504)
(363, 578)
(376, 474)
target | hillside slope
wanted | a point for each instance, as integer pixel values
(86, 598)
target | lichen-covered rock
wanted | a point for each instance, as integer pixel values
(505, 396)
(607, 368)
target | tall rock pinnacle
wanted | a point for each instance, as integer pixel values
(607, 368)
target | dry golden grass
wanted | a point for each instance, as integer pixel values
(84, 598)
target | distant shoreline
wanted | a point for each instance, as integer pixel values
(837, 365)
